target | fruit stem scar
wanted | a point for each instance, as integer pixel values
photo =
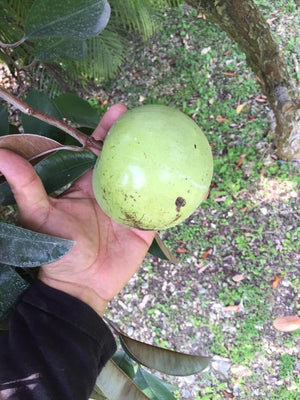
(179, 202)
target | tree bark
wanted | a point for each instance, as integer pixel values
(245, 24)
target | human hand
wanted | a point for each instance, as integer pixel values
(106, 254)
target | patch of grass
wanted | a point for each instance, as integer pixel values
(287, 364)
(285, 393)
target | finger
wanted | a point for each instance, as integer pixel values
(25, 184)
(108, 120)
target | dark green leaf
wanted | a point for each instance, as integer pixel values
(13, 129)
(4, 125)
(164, 360)
(77, 110)
(124, 362)
(86, 130)
(160, 250)
(11, 287)
(116, 385)
(72, 18)
(6, 195)
(56, 171)
(152, 386)
(64, 167)
(41, 101)
(52, 49)
(24, 248)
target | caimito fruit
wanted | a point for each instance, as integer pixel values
(154, 170)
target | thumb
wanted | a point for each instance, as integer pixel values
(25, 184)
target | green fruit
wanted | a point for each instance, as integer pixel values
(154, 169)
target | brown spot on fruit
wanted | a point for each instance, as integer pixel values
(179, 202)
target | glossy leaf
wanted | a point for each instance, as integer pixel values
(21, 247)
(160, 250)
(28, 145)
(52, 49)
(41, 101)
(56, 171)
(64, 167)
(152, 386)
(4, 125)
(13, 129)
(116, 385)
(164, 360)
(124, 362)
(11, 287)
(77, 110)
(70, 18)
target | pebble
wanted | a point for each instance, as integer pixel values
(222, 366)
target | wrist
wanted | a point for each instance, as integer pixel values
(81, 292)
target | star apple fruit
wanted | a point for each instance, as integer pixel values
(154, 170)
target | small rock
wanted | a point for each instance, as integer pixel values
(222, 366)
(240, 371)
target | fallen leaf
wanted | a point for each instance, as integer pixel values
(261, 98)
(181, 250)
(287, 323)
(201, 16)
(230, 74)
(205, 254)
(219, 118)
(270, 20)
(235, 308)
(276, 281)
(244, 209)
(276, 11)
(238, 277)
(240, 107)
(104, 103)
(219, 198)
(206, 196)
(240, 161)
(227, 394)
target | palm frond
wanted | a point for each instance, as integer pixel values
(19, 8)
(104, 56)
(133, 15)
(12, 19)
(45, 80)
(105, 52)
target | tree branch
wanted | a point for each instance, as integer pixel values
(86, 141)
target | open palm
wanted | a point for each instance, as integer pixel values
(106, 254)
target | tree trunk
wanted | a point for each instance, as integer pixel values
(245, 24)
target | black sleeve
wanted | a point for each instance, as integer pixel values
(55, 347)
